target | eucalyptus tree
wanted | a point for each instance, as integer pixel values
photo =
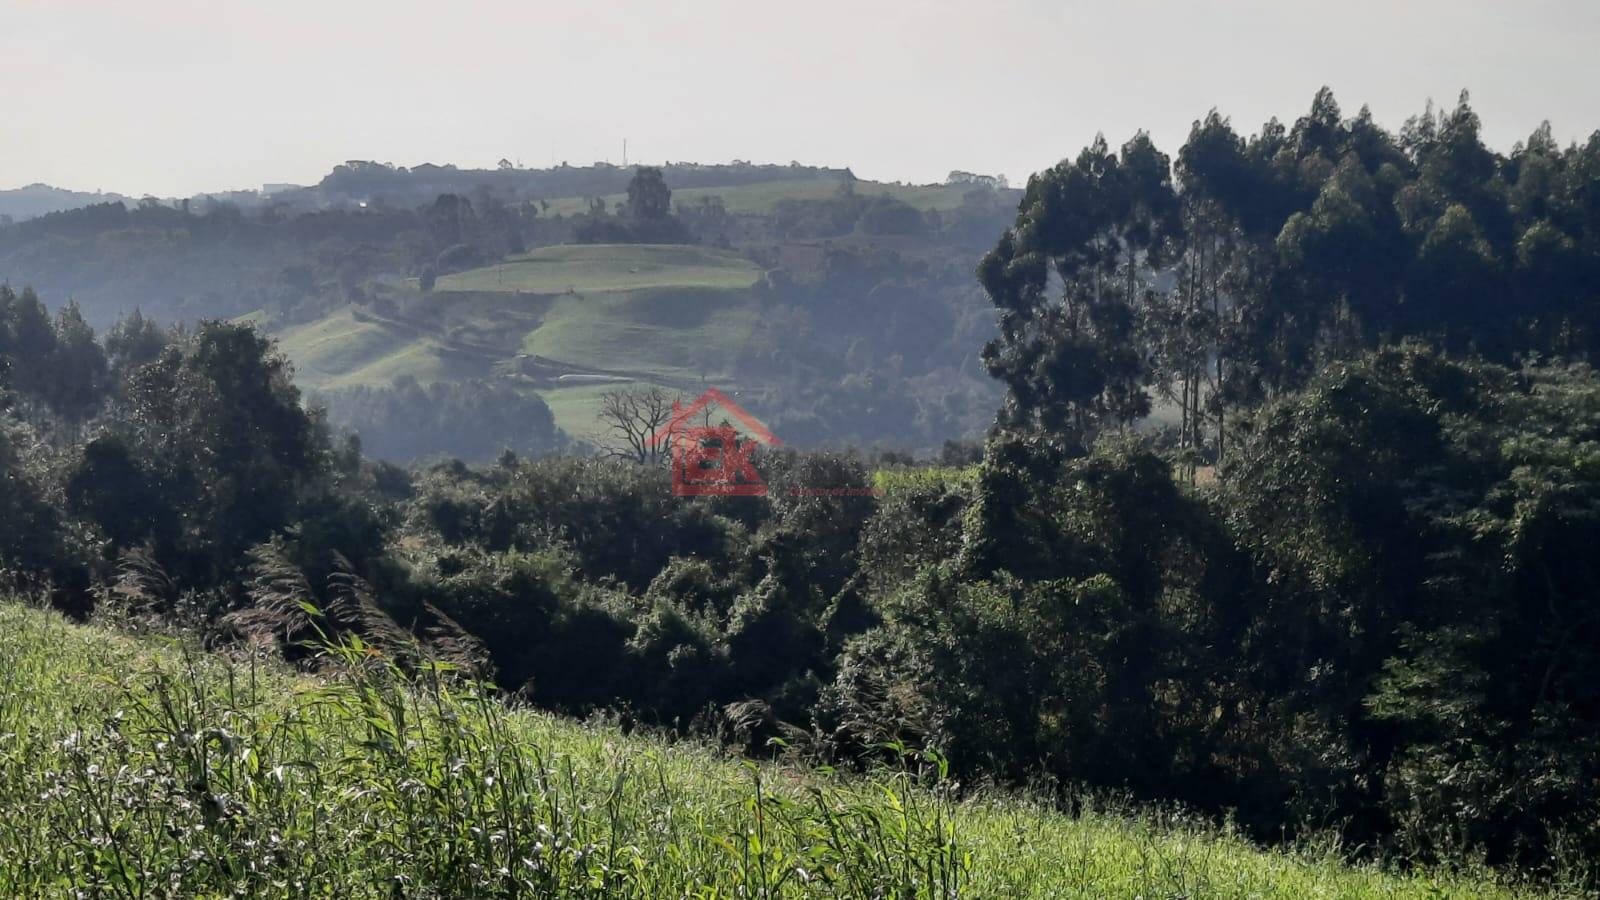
(77, 370)
(1067, 278)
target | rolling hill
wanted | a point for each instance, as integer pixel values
(782, 300)
(42, 199)
(792, 297)
(348, 349)
(675, 315)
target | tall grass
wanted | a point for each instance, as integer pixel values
(131, 772)
(143, 768)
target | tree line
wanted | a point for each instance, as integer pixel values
(1231, 274)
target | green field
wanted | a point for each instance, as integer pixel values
(762, 197)
(669, 313)
(574, 410)
(904, 480)
(674, 312)
(685, 334)
(600, 268)
(683, 337)
(341, 351)
(134, 767)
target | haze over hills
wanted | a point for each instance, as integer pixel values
(29, 201)
(358, 181)
(845, 309)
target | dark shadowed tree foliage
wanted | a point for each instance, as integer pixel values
(1402, 605)
(1267, 256)
(209, 453)
(646, 218)
(470, 420)
(649, 198)
(1427, 515)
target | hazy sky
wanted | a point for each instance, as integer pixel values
(174, 97)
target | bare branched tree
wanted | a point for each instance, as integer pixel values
(636, 420)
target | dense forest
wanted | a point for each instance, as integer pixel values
(1287, 513)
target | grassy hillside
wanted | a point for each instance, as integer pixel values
(678, 314)
(595, 268)
(343, 351)
(574, 410)
(140, 767)
(762, 197)
(669, 332)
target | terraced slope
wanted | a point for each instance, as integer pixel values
(675, 315)
(604, 268)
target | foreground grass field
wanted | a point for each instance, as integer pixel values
(141, 768)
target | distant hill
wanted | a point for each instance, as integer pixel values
(549, 319)
(23, 203)
(763, 197)
(747, 188)
(844, 310)
(360, 180)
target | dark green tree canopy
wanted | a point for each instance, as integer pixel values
(649, 198)
(1229, 276)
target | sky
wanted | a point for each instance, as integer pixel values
(179, 97)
